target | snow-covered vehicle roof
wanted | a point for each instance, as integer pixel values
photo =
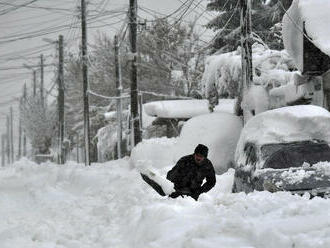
(283, 125)
(315, 15)
(186, 109)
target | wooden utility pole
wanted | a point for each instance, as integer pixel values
(8, 138)
(118, 94)
(11, 135)
(85, 82)
(42, 81)
(3, 153)
(77, 147)
(34, 83)
(246, 51)
(19, 155)
(60, 101)
(24, 134)
(134, 89)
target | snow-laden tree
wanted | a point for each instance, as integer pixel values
(266, 18)
(222, 73)
(165, 48)
(39, 124)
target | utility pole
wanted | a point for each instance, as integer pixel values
(11, 135)
(77, 147)
(246, 53)
(34, 83)
(3, 153)
(118, 94)
(24, 134)
(19, 155)
(8, 138)
(85, 82)
(135, 127)
(60, 100)
(42, 80)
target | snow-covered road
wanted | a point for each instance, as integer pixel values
(109, 205)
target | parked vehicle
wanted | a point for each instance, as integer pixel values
(279, 150)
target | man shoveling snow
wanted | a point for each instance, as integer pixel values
(187, 175)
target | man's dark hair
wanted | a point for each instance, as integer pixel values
(202, 150)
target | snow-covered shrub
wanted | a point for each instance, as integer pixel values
(271, 68)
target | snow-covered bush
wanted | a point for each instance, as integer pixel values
(222, 74)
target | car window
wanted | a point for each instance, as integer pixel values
(250, 153)
(294, 155)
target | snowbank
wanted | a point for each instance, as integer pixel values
(186, 108)
(109, 205)
(287, 124)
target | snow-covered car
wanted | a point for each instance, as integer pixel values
(281, 150)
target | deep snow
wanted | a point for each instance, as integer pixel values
(109, 205)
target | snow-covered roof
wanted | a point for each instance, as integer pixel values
(315, 14)
(185, 108)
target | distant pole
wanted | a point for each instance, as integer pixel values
(42, 80)
(60, 101)
(20, 131)
(85, 83)
(11, 135)
(246, 53)
(8, 138)
(34, 83)
(3, 153)
(24, 134)
(24, 143)
(134, 89)
(141, 109)
(77, 147)
(118, 94)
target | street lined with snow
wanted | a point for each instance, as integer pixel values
(109, 205)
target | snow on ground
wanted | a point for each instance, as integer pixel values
(109, 205)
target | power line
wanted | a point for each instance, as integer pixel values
(6, 11)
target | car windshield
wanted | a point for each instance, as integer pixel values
(280, 156)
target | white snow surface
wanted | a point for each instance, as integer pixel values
(287, 124)
(109, 205)
(186, 108)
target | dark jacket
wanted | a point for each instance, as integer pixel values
(188, 176)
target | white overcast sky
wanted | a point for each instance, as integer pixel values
(48, 19)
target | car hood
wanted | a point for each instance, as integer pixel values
(297, 180)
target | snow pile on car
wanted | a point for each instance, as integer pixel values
(287, 124)
(218, 131)
(186, 108)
